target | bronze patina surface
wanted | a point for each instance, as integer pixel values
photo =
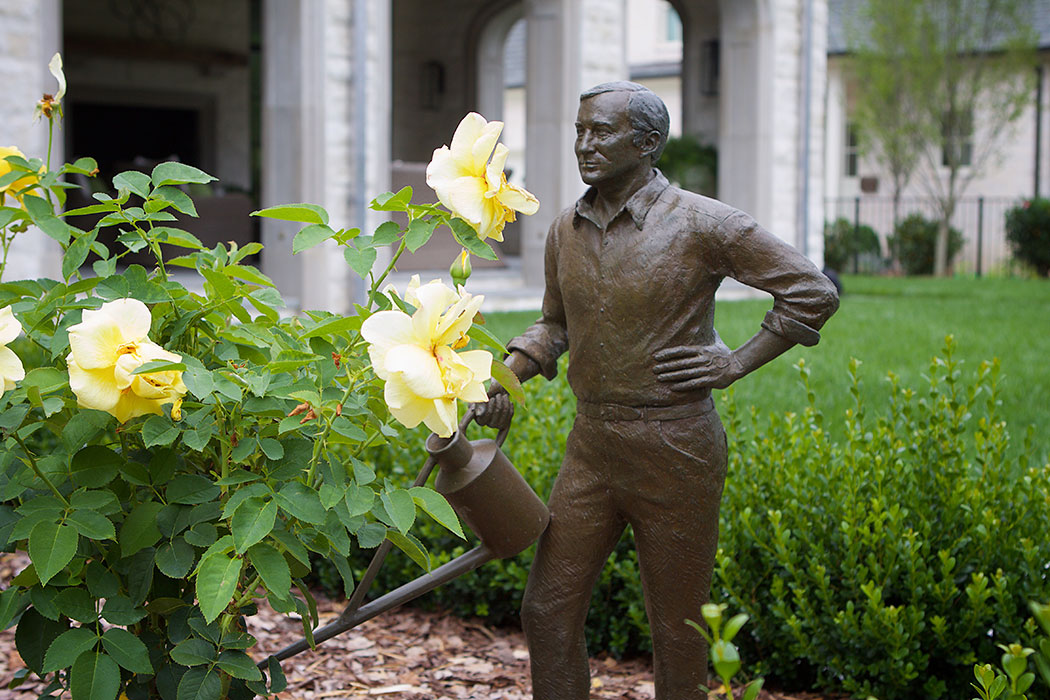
(631, 274)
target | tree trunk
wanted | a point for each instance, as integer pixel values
(940, 251)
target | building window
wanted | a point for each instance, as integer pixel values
(672, 24)
(957, 130)
(852, 150)
(710, 69)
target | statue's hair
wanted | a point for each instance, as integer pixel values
(645, 109)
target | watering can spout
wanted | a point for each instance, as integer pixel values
(488, 493)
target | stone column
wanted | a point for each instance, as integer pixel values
(762, 163)
(572, 45)
(31, 33)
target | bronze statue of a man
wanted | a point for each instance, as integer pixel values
(631, 274)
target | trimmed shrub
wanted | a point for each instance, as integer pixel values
(885, 563)
(690, 164)
(914, 242)
(888, 564)
(845, 244)
(1028, 230)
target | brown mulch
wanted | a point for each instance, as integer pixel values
(405, 654)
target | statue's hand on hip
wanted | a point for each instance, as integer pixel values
(691, 367)
(497, 412)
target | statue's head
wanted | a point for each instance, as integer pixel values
(621, 126)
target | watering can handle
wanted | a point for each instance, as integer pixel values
(501, 436)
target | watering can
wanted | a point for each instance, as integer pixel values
(487, 493)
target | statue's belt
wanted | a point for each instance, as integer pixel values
(615, 411)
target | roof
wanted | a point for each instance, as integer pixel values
(841, 13)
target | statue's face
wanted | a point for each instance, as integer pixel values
(605, 148)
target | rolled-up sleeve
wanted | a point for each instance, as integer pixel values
(546, 339)
(803, 296)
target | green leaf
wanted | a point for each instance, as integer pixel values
(435, 505)
(419, 232)
(179, 174)
(11, 602)
(159, 430)
(127, 650)
(310, 236)
(95, 466)
(159, 366)
(467, 237)
(51, 547)
(393, 202)
(191, 489)
(385, 234)
(200, 684)
(77, 253)
(193, 652)
(302, 213)
(44, 218)
(277, 680)
(272, 567)
(69, 645)
(401, 508)
(34, 635)
(273, 449)
(76, 603)
(178, 199)
(485, 337)
(92, 525)
(84, 426)
(290, 360)
(94, 676)
(252, 521)
(509, 381)
(119, 610)
(410, 546)
(45, 379)
(175, 558)
(239, 665)
(370, 535)
(136, 182)
(217, 578)
(359, 499)
(302, 502)
(177, 237)
(360, 261)
(333, 325)
(140, 528)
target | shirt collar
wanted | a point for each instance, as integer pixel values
(637, 206)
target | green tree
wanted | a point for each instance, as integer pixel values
(941, 83)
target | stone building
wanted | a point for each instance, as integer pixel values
(334, 101)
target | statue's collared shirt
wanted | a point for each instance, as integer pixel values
(647, 281)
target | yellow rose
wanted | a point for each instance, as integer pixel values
(415, 355)
(11, 369)
(19, 184)
(471, 186)
(106, 347)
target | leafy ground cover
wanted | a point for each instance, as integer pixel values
(898, 324)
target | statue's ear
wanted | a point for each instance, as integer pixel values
(650, 143)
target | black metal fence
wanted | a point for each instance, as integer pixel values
(981, 220)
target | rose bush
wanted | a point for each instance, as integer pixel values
(171, 458)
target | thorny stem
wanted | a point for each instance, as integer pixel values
(382, 277)
(36, 470)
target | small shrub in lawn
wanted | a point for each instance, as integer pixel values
(892, 562)
(1028, 230)
(846, 244)
(914, 241)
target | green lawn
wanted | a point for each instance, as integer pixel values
(898, 325)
